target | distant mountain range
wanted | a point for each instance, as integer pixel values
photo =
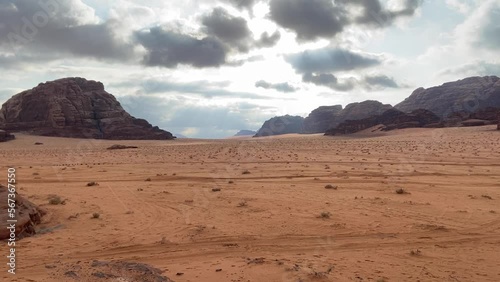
(452, 103)
(245, 132)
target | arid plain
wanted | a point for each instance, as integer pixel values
(272, 219)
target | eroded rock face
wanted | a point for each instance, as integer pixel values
(324, 118)
(390, 119)
(467, 95)
(6, 136)
(321, 119)
(281, 125)
(74, 107)
(27, 217)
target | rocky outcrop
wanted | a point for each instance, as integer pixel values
(321, 119)
(281, 125)
(6, 136)
(245, 132)
(324, 118)
(467, 95)
(390, 119)
(74, 107)
(28, 215)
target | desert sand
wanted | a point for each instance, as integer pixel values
(273, 219)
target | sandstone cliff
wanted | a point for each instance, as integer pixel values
(74, 107)
(321, 119)
(467, 95)
(390, 119)
(326, 117)
(281, 125)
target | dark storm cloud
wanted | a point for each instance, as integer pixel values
(230, 29)
(313, 19)
(309, 19)
(58, 27)
(330, 60)
(281, 87)
(169, 49)
(373, 82)
(267, 40)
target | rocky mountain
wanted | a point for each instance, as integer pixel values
(466, 95)
(74, 107)
(321, 119)
(390, 119)
(245, 132)
(6, 136)
(326, 117)
(281, 125)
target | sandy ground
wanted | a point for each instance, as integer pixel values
(275, 223)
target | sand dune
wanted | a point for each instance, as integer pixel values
(273, 219)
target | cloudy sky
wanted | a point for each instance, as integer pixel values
(208, 68)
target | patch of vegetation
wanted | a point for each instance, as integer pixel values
(401, 191)
(55, 200)
(325, 215)
(93, 183)
(416, 252)
(95, 215)
(330, 186)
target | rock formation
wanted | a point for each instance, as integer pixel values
(324, 118)
(321, 119)
(5, 136)
(467, 95)
(390, 119)
(281, 125)
(28, 215)
(74, 107)
(245, 132)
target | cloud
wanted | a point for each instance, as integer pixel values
(281, 87)
(267, 40)
(459, 6)
(169, 49)
(478, 68)
(314, 19)
(380, 81)
(229, 29)
(59, 27)
(242, 4)
(309, 19)
(369, 82)
(202, 88)
(330, 60)
(330, 81)
(376, 15)
(482, 28)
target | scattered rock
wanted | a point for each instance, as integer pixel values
(29, 215)
(5, 135)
